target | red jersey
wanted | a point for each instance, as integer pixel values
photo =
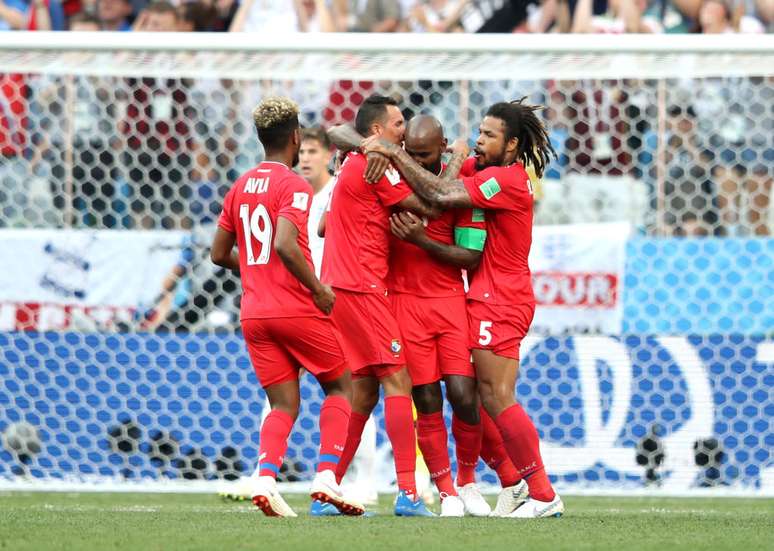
(417, 272)
(357, 234)
(505, 192)
(250, 210)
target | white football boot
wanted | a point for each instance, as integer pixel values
(532, 508)
(510, 498)
(268, 499)
(452, 506)
(326, 489)
(475, 504)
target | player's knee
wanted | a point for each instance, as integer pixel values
(464, 403)
(495, 398)
(364, 403)
(397, 384)
(428, 398)
(341, 386)
(289, 408)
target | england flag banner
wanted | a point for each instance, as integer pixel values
(578, 277)
(57, 279)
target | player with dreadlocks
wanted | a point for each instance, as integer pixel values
(501, 303)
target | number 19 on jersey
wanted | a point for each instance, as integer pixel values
(256, 226)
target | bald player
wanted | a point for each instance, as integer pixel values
(428, 297)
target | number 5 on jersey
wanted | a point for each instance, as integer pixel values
(484, 333)
(256, 226)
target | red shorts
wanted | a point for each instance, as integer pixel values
(499, 328)
(371, 338)
(279, 347)
(436, 335)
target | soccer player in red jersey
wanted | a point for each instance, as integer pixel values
(501, 303)
(357, 238)
(428, 295)
(285, 309)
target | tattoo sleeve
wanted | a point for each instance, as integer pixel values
(453, 168)
(434, 189)
(344, 137)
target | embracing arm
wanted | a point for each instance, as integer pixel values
(419, 206)
(460, 257)
(344, 137)
(408, 227)
(436, 190)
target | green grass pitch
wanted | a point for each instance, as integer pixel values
(148, 522)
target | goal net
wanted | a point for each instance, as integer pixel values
(649, 365)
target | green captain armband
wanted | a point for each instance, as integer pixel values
(470, 238)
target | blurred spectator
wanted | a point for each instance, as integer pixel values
(597, 141)
(436, 16)
(31, 15)
(159, 142)
(494, 16)
(744, 198)
(83, 163)
(114, 15)
(84, 22)
(623, 16)
(314, 159)
(290, 16)
(688, 187)
(225, 10)
(718, 16)
(13, 138)
(691, 226)
(375, 16)
(158, 17)
(196, 16)
(13, 15)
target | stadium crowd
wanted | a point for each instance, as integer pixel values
(160, 153)
(472, 16)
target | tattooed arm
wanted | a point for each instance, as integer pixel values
(344, 137)
(444, 192)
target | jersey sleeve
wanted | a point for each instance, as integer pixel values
(499, 188)
(294, 201)
(226, 220)
(470, 229)
(391, 188)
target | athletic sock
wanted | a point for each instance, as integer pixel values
(334, 426)
(494, 454)
(274, 442)
(399, 423)
(468, 440)
(521, 440)
(357, 422)
(433, 442)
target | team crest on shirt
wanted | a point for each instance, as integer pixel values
(395, 346)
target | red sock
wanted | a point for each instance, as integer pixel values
(493, 452)
(357, 423)
(523, 444)
(334, 423)
(432, 439)
(468, 440)
(399, 422)
(274, 442)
